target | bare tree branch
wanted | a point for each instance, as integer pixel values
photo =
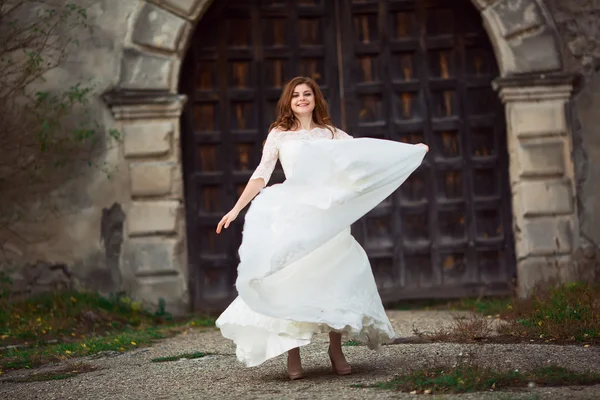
(45, 136)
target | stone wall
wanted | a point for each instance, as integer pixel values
(92, 230)
(69, 234)
(578, 23)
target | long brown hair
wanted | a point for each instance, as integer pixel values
(285, 116)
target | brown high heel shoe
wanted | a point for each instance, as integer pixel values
(345, 371)
(295, 374)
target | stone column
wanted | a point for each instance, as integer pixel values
(153, 263)
(147, 110)
(542, 176)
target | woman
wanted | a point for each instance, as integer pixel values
(301, 272)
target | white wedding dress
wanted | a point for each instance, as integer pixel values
(301, 272)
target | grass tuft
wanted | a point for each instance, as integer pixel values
(468, 379)
(188, 356)
(482, 305)
(462, 330)
(567, 313)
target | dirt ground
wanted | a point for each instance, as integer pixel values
(133, 375)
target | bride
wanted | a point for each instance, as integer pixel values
(301, 272)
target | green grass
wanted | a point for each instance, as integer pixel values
(56, 316)
(119, 341)
(201, 322)
(351, 343)
(59, 326)
(484, 305)
(566, 313)
(468, 379)
(189, 356)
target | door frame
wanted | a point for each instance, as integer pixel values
(147, 103)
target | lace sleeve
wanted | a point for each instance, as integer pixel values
(340, 134)
(270, 154)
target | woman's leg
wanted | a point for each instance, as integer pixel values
(340, 365)
(294, 364)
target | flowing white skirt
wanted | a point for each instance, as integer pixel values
(301, 272)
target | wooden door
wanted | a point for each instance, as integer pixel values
(402, 70)
(421, 71)
(242, 55)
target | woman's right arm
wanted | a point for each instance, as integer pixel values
(257, 182)
(253, 187)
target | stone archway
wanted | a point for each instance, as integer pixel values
(147, 108)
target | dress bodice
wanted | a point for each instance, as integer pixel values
(285, 145)
(288, 153)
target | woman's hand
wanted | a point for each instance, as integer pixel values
(227, 219)
(250, 191)
(423, 144)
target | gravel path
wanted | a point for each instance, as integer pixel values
(132, 375)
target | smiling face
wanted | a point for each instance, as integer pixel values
(303, 100)
(301, 97)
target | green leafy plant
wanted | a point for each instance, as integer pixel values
(161, 311)
(44, 128)
(48, 133)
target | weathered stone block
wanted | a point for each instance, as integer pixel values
(155, 217)
(158, 28)
(145, 71)
(151, 179)
(545, 198)
(546, 236)
(541, 158)
(147, 139)
(11, 250)
(587, 157)
(481, 4)
(516, 16)
(172, 289)
(189, 9)
(503, 52)
(530, 119)
(45, 277)
(541, 271)
(536, 52)
(152, 257)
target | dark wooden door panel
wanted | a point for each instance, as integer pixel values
(411, 71)
(421, 71)
(242, 55)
